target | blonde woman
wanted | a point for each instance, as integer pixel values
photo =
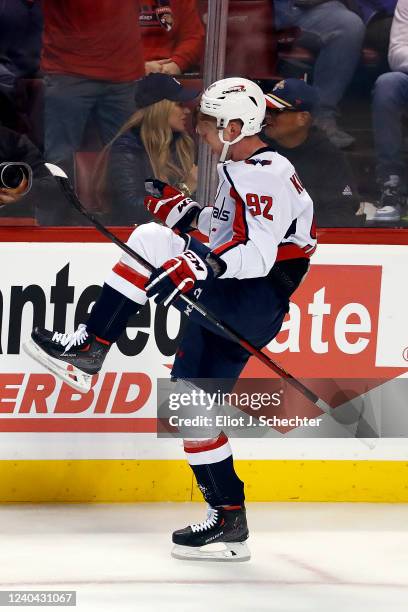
(154, 142)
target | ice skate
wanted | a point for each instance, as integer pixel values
(74, 358)
(225, 527)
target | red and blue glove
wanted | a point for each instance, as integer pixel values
(169, 205)
(177, 275)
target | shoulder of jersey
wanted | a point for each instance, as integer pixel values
(266, 162)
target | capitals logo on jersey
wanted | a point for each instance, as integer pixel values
(221, 213)
(261, 162)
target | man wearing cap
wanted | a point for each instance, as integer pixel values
(321, 166)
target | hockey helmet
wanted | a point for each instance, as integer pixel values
(235, 98)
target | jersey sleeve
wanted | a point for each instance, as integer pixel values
(264, 211)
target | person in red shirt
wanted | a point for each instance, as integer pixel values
(172, 34)
(91, 59)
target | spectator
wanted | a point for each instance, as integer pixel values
(338, 34)
(172, 34)
(154, 142)
(91, 58)
(44, 201)
(20, 41)
(321, 167)
(390, 101)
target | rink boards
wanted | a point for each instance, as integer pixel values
(348, 319)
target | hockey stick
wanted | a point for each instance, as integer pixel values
(70, 194)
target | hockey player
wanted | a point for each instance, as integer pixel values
(261, 236)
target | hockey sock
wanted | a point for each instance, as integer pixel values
(213, 467)
(110, 314)
(122, 296)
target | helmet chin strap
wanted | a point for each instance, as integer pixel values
(227, 144)
(224, 152)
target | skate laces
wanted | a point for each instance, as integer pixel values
(73, 339)
(210, 521)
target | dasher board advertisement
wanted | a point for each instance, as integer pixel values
(346, 321)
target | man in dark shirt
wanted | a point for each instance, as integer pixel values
(321, 166)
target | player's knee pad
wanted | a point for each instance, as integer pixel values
(155, 243)
(143, 236)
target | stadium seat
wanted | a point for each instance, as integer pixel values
(370, 57)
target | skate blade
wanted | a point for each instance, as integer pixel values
(234, 552)
(72, 376)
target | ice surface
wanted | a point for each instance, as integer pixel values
(305, 557)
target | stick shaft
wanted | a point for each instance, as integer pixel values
(263, 357)
(223, 327)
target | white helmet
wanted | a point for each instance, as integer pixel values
(235, 98)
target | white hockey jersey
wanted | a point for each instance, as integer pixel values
(261, 214)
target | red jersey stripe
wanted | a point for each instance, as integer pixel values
(131, 275)
(293, 251)
(206, 445)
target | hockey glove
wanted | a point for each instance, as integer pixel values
(169, 205)
(177, 275)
